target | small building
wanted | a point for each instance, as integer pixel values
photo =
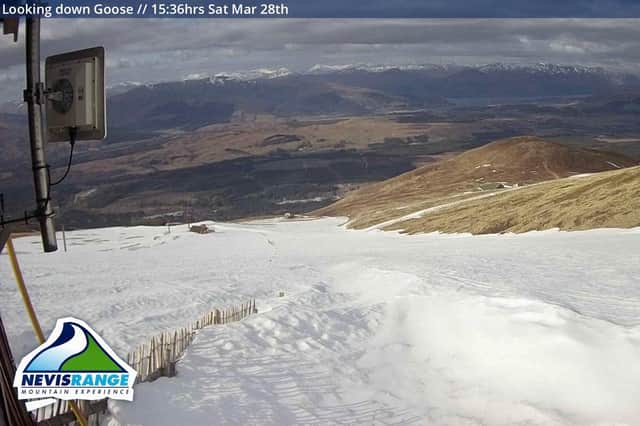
(200, 229)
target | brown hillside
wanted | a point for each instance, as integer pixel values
(603, 200)
(504, 163)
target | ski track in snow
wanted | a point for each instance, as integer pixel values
(420, 213)
(374, 328)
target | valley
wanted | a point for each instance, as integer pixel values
(227, 149)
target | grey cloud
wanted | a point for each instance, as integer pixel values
(155, 50)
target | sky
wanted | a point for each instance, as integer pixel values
(164, 50)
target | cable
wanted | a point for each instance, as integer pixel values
(72, 140)
(40, 213)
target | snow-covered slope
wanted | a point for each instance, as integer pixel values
(374, 328)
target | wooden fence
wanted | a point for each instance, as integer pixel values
(155, 359)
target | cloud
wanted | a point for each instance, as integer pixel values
(157, 50)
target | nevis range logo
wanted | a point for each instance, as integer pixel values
(74, 363)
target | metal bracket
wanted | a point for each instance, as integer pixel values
(37, 214)
(35, 94)
(8, 225)
(10, 26)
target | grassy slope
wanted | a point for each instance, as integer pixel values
(522, 160)
(604, 200)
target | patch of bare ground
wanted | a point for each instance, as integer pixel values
(503, 164)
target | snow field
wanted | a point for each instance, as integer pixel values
(374, 328)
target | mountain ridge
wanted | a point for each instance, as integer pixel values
(500, 165)
(602, 200)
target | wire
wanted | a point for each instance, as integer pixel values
(72, 140)
(40, 213)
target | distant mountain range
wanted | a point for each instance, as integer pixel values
(541, 67)
(347, 90)
(137, 110)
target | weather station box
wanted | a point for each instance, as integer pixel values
(76, 95)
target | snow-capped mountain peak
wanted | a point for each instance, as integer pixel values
(541, 68)
(260, 73)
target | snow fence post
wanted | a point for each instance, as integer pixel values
(170, 368)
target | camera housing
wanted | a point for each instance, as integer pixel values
(76, 95)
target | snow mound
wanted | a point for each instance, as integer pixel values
(506, 361)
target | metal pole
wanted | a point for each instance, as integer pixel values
(34, 97)
(22, 288)
(64, 239)
(37, 329)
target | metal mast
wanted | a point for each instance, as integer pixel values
(34, 96)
